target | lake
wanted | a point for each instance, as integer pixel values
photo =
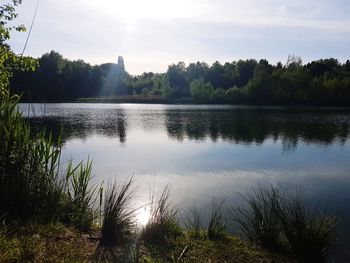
(209, 151)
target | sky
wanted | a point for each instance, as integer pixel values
(151, 34)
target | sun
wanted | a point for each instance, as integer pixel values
(143, 216)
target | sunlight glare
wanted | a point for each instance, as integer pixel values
(133, 11)
(143, 216)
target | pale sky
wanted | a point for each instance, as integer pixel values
(151, 34)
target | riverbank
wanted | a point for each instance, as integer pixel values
(57, 243)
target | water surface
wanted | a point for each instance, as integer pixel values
(206, 151)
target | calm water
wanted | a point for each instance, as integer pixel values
(209, 151)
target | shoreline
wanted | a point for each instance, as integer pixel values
(192, 102)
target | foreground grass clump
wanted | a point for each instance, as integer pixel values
(216, 227)
(118, 219)
(32, 184)
(163, 224)
(280, 221)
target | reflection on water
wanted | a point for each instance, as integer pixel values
(234, 125)
(205, 151)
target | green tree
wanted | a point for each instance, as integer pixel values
(9, 61)
(201, 90)
(218, 94)
(177, 80)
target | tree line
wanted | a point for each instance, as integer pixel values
(321, 82)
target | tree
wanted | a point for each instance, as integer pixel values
(8, 60)
(245, 71)
(177, 80)
(201, 90)
(218, 94)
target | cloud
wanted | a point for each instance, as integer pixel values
(152, 34)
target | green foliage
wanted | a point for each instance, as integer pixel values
(218, 95)
(323, 82)
(32, 187)
(9, 62)
(81, 196)
(29, 165)
(201, 90)
(234, 94)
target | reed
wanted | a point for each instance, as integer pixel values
(32, 186)
(81, 196)
(29, 182)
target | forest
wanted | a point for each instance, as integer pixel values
(321, 82)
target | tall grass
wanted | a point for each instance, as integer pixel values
(259, 218)
(31, 184)
(216, 226)
(193, 222)
(280, 220)
(163, 223)
(81, 197)
(118, 217)
(310, 233)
